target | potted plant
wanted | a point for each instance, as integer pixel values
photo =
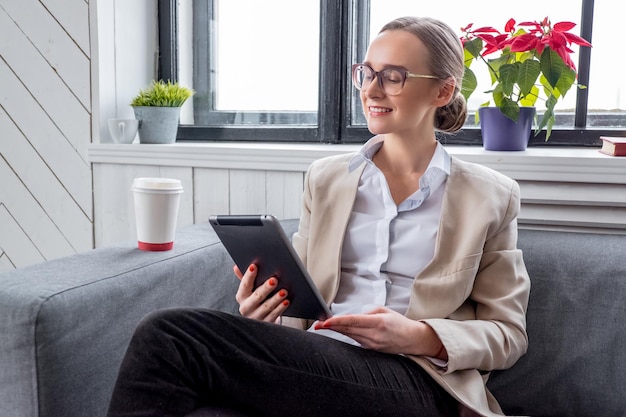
(534, 62)
(158, 110)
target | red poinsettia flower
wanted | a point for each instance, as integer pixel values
(556, 36)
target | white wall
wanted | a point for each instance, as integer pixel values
(125, 58)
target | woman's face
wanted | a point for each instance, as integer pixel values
(412, 110)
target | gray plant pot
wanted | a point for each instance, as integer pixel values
(157, 124)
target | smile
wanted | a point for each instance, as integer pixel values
(379, 110)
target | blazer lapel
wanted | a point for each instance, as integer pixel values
(444, 244)
(337, 202)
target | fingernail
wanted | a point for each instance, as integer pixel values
(282, 293)
(273, 282)
(286, 303)
(252, 268)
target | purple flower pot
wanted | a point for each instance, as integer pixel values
(503, 134)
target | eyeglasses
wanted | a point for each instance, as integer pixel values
(390, 80)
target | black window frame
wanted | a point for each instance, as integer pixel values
(337, 45)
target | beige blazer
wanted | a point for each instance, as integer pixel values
(474, 292)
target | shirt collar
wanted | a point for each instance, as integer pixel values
(435, 175)
(367, 152)
(440, 159)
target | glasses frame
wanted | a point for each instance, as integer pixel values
(406, 74)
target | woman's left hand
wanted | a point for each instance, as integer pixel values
(385, 330)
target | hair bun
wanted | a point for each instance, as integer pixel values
(451, 117)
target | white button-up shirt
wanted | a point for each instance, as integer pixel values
(387, 245)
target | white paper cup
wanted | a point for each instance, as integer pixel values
(156, 211)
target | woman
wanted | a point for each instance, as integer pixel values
(414, 250)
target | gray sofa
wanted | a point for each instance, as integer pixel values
(65, 323)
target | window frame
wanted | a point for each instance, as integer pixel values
(333, 122)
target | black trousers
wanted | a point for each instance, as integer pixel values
(183, 359)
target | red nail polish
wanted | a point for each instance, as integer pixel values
(286, 303)
(252, 268)
(272, 282)
(282, 293)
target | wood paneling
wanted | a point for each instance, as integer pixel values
(38, 34)
(15, 246)
(243, 178)
(210, 192)
(284, 193)
(46, 203)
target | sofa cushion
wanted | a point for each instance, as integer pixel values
(575, 364)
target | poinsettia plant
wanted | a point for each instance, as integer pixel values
(534, 57)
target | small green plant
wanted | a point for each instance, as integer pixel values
(162, 94)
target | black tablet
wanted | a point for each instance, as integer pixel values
(261, 240)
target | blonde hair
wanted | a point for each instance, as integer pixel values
(446, 60)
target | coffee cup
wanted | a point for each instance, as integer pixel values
(156, 211)
(123, 130)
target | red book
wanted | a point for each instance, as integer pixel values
(613, 146)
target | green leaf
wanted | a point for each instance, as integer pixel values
(565, 82)
(468, 58)
(469, 83)
(508, 78)
(548, 90)
(510, 109)
(530, 99)
(498, 96)
(494, 66)
(548, 118)
(552, 66)
(474, 46)
(528, 73)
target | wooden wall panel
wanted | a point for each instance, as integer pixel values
(74, 19)
(16, 248)
(210, 191)
(46, 202)
(5, 262)
(550, 204)
(570, 206)
(41, 131)
(45, 187)
(552, 192)
(247, 191)
(31, 217)
(42, 32)
(284, 194)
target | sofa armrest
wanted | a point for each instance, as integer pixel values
(66, 323)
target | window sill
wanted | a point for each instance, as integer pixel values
(537, 164)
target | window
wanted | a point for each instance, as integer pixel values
(278, 70)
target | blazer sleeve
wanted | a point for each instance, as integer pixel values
(490, 331)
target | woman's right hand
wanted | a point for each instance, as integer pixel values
(256, 303)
